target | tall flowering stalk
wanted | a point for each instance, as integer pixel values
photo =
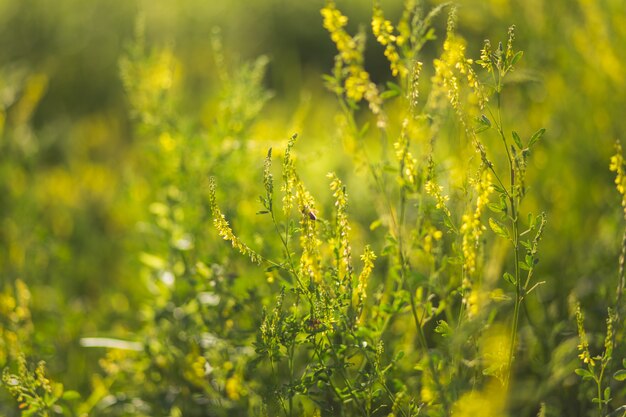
(498, 63)
(352, 80)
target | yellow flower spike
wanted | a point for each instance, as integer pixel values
(436, 191)
(233, 387)
(471, 227)
(384, 32)
(583, 346)
(224, 230)
(357, 84)
(450, 69)
(617, 165)
(342, 228)
(368, 259)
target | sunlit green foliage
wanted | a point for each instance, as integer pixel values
(191, 224)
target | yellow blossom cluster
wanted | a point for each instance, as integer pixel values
(407, 161)
(432, 236)
(583, 345)
(342, 228)
(617, 166)
(14, 309)
(289, 177)
(450, 68)
(148, 80)
(357, 84)
(234, 387)
(226, 233)
(224, 230)
(471, 227)
(384, 32)
(487, 402)
(414, 85)
(309, 242)
(334, 23)
(435, 190)
(368, 259)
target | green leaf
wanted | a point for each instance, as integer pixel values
(517, 57)
(495, 207)
(389, 94)
(329, 78)
(262, 212)
(484, 124)
(517, 140)
(393, 86)
(620, 375)
(376, 224)
(498, 228)
(159, 209)
(481, 129)
(71, 395)
(364, 129)
(443, 328)
(584, 373)
(607, 394)
(534, 138)
(509, 278)
(152, 261)
(498, 188)
(530, 261)
(30, 411)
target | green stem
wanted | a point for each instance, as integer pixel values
(345, 378)
(291, 377)
(431, 365)
(513, 202)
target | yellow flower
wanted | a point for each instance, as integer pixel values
(233, 388)
(617, 166)
(472, 228)
(368, 259)
(357, 84)
(384, 32)
(436, 191)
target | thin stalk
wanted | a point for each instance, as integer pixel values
(321, 361)
(599, 384)
(513, 202)
(424, 343)
(345, 378)
(291, 378)
(621, 276)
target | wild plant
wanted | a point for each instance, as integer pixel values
(468, 102)
(192, 347)
(35, 393)
(318, 346)
(433, 272)
(601, 368)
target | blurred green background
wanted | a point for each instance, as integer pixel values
(77, 175)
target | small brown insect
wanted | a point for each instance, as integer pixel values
(309, 212)
(315, 325)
